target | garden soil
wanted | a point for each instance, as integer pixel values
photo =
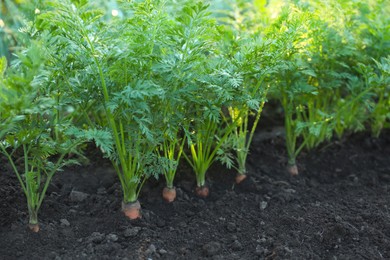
(338, 207)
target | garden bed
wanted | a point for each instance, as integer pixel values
(337, 208)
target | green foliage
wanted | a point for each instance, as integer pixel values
(164, 76)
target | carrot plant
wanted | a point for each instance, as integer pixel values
(173, 71)
(207, 90)
(205, 141)
(299, 89)
(118, 54)
(172, 122)
(291, 84)
(27, 137)
(169, 151)
(251, 60)
(329, 55)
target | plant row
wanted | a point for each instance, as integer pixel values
(152, 82)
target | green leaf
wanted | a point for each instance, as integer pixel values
(102, 138)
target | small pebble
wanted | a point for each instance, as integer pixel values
(78, 196)
(112, 237)
(151, 250)
(64, 222)
(132, 232)
(73, 211)
(96, 237)
(263, 205)
(212, 248)
(162, 251)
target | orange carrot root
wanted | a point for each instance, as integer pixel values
(202, 192)
(293, 170)
(132, 210)
(169, 194)
(34, 227)
(240, 178)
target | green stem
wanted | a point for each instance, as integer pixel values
(169, 147)
(130, 193)
(33, 215)
(57, 118)
(140, 187)
(188, 159)
(204, 151)
(290, 131)
(251, 134)
(201, 175)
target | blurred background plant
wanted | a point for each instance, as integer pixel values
(13, 16)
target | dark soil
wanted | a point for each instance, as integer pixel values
(337, 208)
